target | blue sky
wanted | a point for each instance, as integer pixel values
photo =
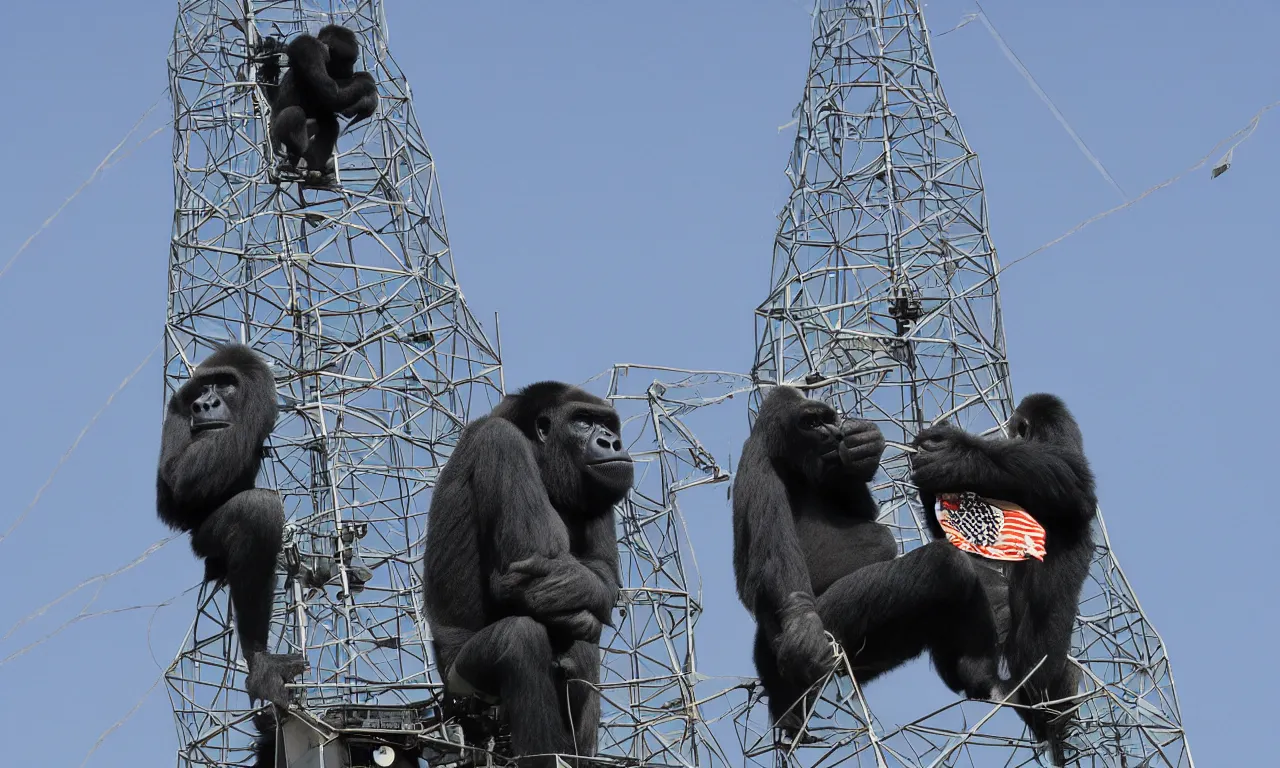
(592, 153)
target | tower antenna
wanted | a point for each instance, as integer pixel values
(351, 296)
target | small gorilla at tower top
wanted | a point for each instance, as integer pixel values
(809, 556)
(319, 85)
(1041, 467)
(213, 435)
(521, 567)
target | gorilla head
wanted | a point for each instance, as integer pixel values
(343, 49)
(576, 438)
(807, 437)
(215, 426)
(1044, 418)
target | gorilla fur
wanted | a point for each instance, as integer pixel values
(1042, 468)
(214, 429)
(809, 556)
(521, 567)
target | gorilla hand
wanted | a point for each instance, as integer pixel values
(940, 459)
(547, 586)
(268, 674)
(579, 625)
(859, 445)
(803, 650)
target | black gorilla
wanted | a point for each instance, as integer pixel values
(319, 84)
(214, 430)
(1041, 468)
(808, 554)
(521, 567)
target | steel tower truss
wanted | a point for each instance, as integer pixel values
(652, 705)
(351, 296)
(885, 302)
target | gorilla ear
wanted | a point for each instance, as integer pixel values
(543, 427)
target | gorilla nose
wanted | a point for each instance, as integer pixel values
(604, 447)
(205, 404)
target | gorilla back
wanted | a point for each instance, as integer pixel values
(521, 567)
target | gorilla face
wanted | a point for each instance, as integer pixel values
(212, 399)
(807, 437)
(587, 437)
(342, 49)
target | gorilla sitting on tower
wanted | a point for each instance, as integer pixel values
(810, 558)
(320, 84)
(213, 435)
(521, 567)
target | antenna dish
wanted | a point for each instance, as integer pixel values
(384, 756)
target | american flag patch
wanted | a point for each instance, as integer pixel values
(996, 530)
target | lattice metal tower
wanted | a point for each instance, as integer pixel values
(351, 296)
(884, 297)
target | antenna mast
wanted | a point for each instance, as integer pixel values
(351, 296)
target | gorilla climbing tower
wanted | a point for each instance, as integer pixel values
(351, 296)
(884, 298)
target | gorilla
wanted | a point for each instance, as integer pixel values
(212, 445)
(319, 84)
(810, 558)
(1033, 490)
(521, 567)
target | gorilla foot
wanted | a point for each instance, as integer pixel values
(973, 676)
(286, 170)
(978, 677)
(269, 673)
(790, 728)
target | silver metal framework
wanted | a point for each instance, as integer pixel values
(885, 301)
(653, 695)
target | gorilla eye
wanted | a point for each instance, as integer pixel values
(812, 421)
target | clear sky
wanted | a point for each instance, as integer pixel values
(625, 160)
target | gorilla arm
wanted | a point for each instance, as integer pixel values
(576, 593)
(1053, 483)
(535, 573)
(360, 94)
(773, 580)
